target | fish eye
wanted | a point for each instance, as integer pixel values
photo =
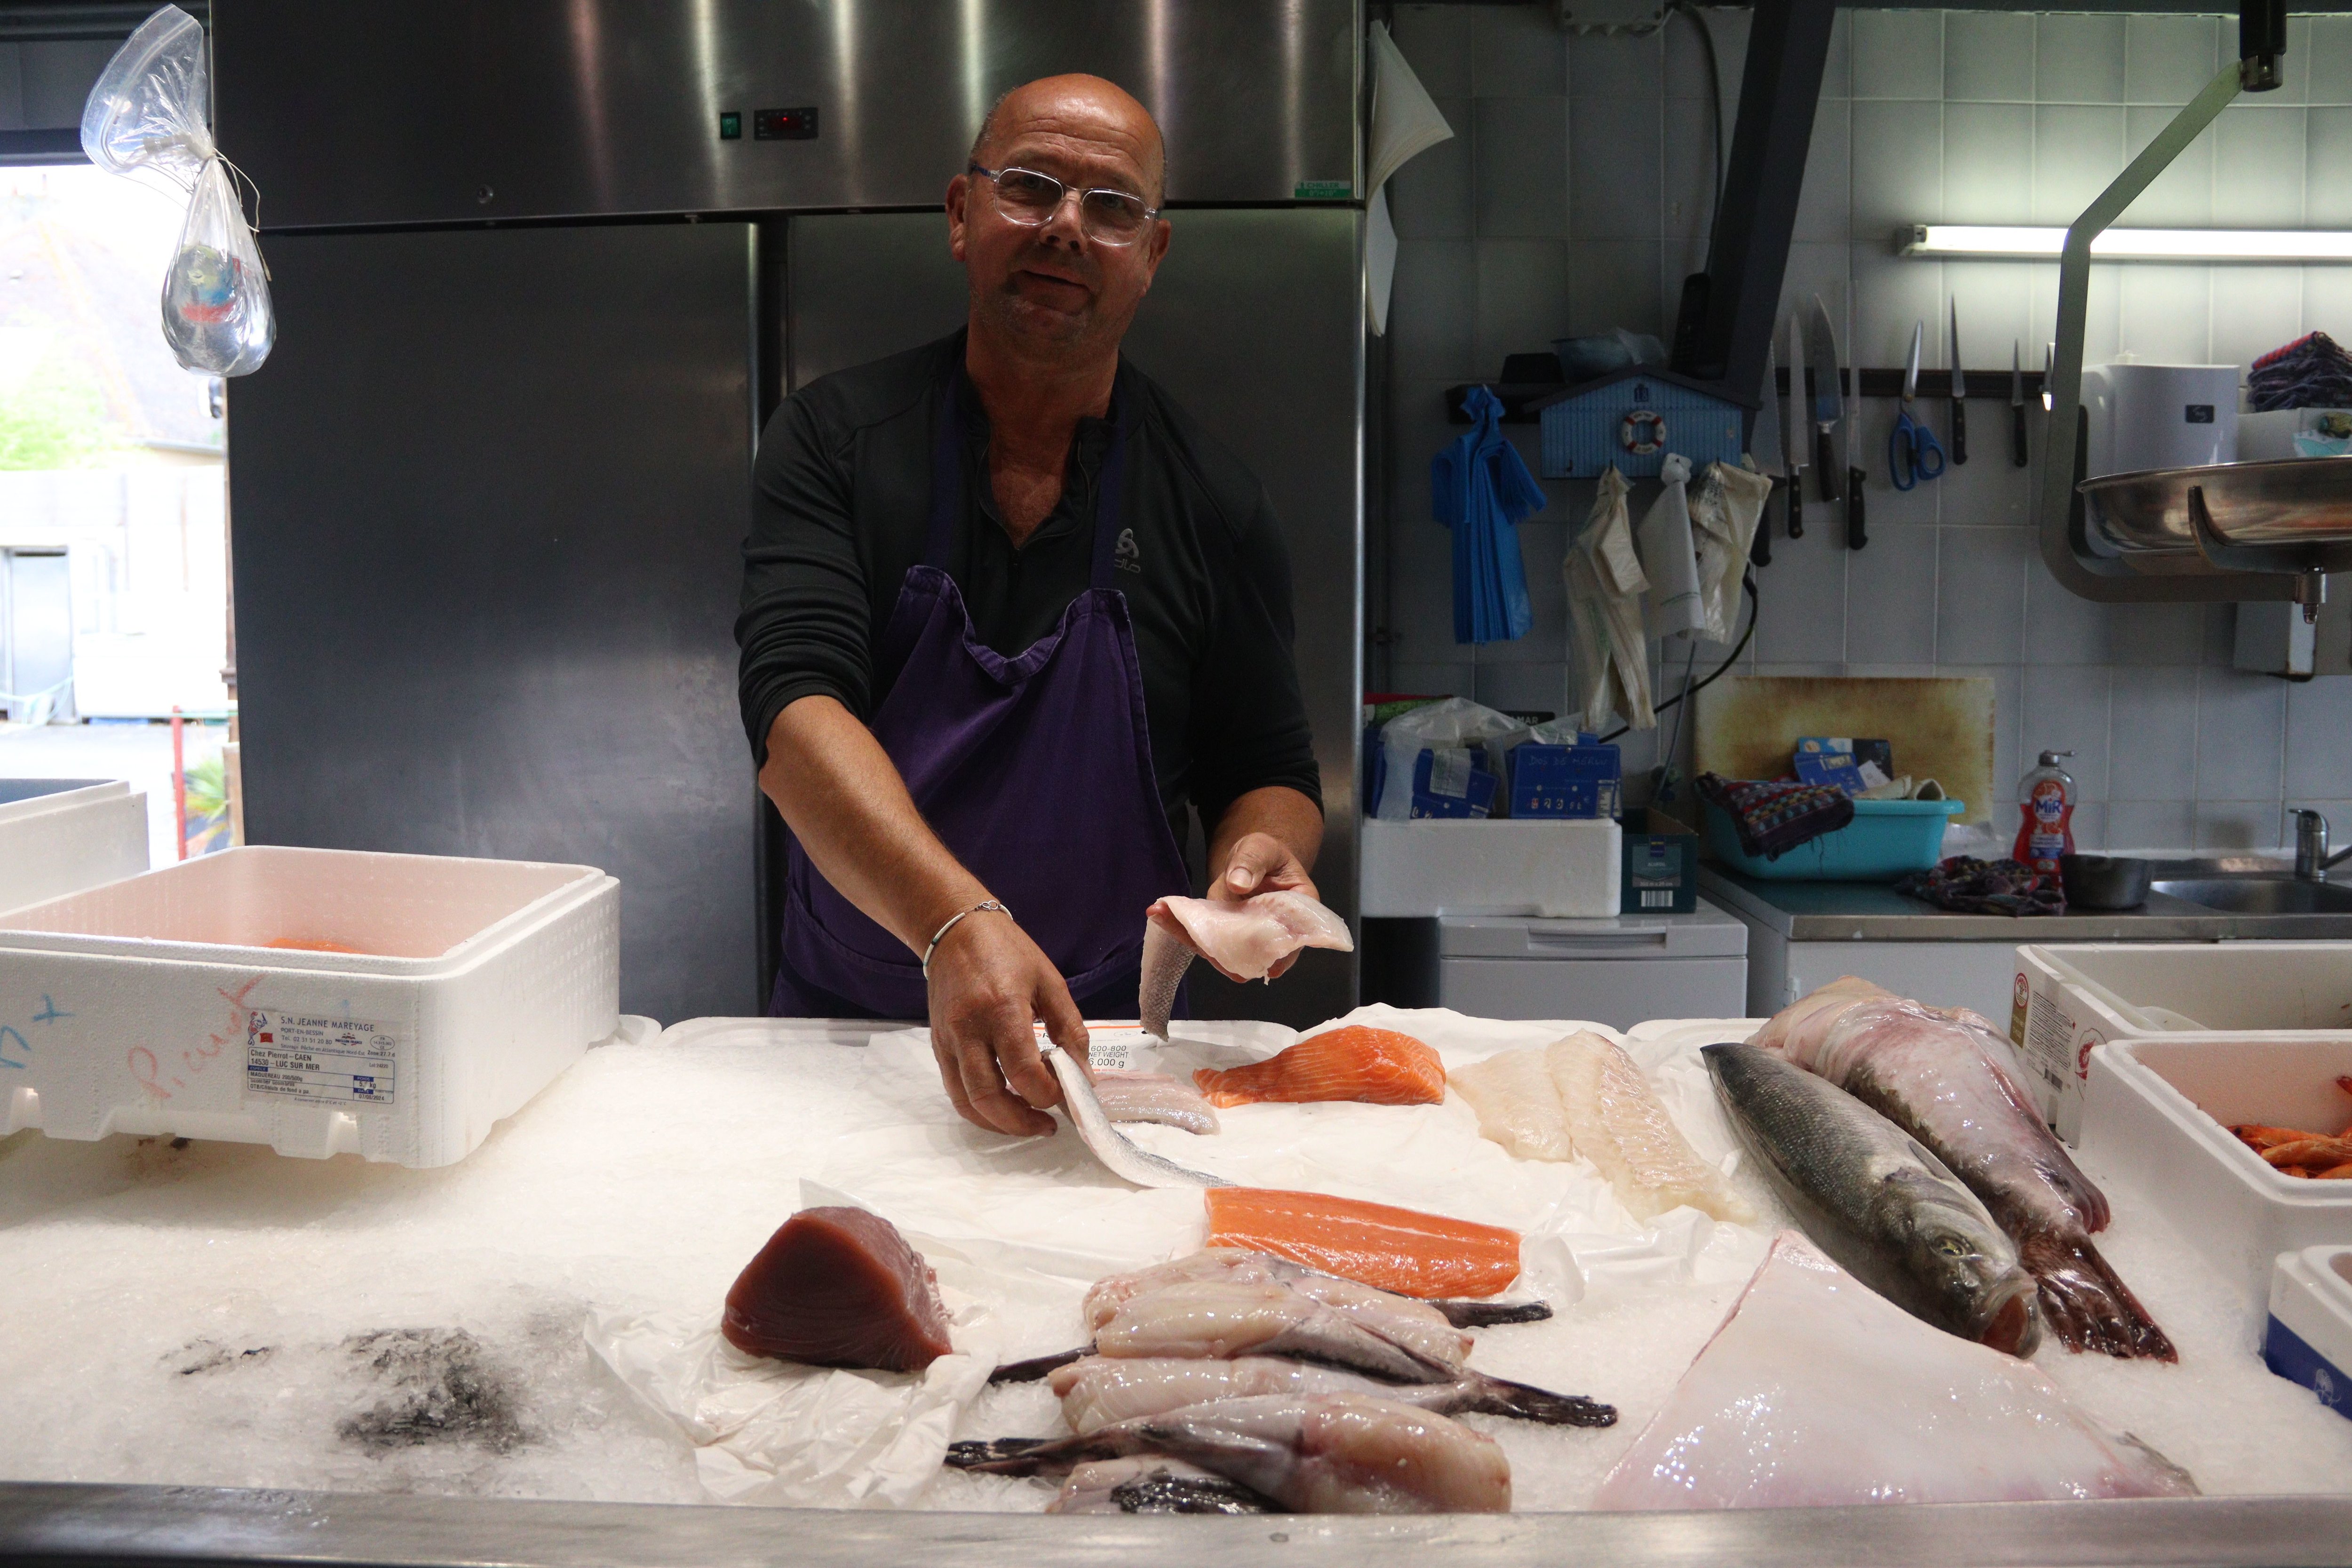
(1951, 1246)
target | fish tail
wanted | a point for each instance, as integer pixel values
(1486, 1314)
(1166, 957)
(2086, 1304)
(1037, 1368)
(1019, 1455)
(1500, 1397)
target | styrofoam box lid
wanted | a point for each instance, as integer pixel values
(2220, 986)
(21, 798)
(2283, 1081)
(304, 909)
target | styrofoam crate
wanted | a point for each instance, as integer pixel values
(318, 1001)
(2069, 998)
(60, 835)
(1515, 865)
(2157, 1114)
(2309, 1340)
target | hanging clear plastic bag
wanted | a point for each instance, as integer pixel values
(148, 120)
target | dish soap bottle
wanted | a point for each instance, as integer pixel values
(2045, 801)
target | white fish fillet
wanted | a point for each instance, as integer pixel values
(1245, 940)
(1517, 1104)
(1818, 1392)
(1153, 1097)
(1107, 1142)
(1417, 1326)
(1615, 1120)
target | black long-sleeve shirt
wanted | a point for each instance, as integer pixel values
(843, 482)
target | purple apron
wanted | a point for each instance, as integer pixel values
(1036, 771)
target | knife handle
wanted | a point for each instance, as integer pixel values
(1959, 430)
(1825, 462)
(1797, 503)
(2019, 453)
(1855, 536)
(1761, 552)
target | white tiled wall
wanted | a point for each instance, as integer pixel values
(1574, 199)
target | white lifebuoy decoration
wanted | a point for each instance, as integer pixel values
(1642, 433)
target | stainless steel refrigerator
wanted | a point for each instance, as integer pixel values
(542, 267)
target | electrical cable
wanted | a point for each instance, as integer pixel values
(1755, 607)
(1715, 95)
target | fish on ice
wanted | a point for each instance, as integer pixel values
(1373, 1067)
(1245, 940)
(1331, 1453)
(838, 1287)
(1119, 1154)
(1235, 1263)
(1872, 1198)
(1102, 1391)
(1818, 1393)
(1943, 1077)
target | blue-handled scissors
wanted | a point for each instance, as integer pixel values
(1912, 452)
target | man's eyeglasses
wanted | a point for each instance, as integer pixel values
(1029, 198)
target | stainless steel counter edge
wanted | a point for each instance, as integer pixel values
(65, 1524)
(1873, 912)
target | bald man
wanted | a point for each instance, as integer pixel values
(1008, 616)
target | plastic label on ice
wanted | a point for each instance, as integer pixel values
(343, 1062)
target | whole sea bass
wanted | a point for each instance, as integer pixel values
(1941, 1077)
(1872, 1198)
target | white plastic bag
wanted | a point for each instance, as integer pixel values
(1724, 515)
(1456, 723)
(147, 119)
(1669, 558)
(1609, 659)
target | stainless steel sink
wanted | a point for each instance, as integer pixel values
(2259, 895)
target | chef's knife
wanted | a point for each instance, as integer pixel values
(2017, 452)
(1959, 393)
(1765, 449)
(1829, 397)
(1792, 431)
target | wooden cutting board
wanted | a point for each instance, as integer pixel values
(1941, 727)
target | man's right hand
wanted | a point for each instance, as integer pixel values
(988, 984)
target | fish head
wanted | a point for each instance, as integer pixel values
(1968, 1269)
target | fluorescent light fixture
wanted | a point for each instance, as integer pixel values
(2284, 245)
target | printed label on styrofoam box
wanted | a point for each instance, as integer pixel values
(2050, 1041)
(321, 1060)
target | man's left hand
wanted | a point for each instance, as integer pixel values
(1261, 863)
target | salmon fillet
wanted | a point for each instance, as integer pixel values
(1413, 1254)
(1377, 1067)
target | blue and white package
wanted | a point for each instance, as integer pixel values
(1450, 780)
(1550, 779)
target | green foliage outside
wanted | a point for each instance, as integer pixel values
(206, 787)
(54, 421)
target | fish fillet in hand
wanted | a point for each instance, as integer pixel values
(1245, 940)
(1818, 1392)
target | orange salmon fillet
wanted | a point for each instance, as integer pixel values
(1378, 1067)
(1400, 1250)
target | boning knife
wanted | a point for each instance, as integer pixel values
(1829, 396)
(1959, 393)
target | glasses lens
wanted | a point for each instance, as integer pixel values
(1113, 217)
(1026, 195)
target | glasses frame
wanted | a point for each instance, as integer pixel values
(1068, 190)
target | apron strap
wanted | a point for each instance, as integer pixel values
(948, 486)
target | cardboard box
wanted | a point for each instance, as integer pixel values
(1661, 869)
(1548, 780)
(2069, 1000)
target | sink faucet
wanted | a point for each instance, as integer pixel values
(2312, 859)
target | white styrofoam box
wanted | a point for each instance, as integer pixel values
(2157, 1114)
(1561, 869)
(2309, 1340)
(320, 1001)
(60, 835)
(2068, 999)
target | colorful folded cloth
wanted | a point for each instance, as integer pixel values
(1974, 887)
(1772, 818)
